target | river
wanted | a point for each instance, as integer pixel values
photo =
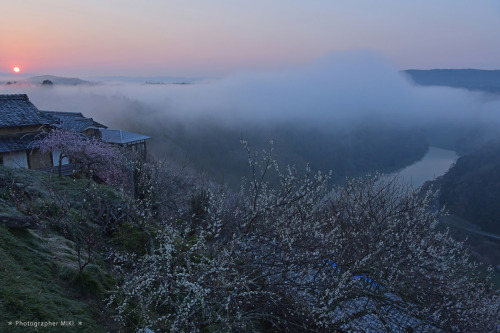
(435, 163)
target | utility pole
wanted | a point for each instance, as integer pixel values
(132, 179)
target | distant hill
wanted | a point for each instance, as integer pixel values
(471, 79)
(58, 80)
(149, 79)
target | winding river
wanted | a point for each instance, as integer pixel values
(435, 163)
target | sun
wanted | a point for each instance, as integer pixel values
(16, 69)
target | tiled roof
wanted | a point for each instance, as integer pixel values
(72, 120)
(17, 110)
(17, 142)
(121, 137)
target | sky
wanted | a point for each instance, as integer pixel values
(221, 37)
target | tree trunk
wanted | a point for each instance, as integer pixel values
(59, 167)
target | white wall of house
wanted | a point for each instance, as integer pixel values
(17, 159)
(55, 158)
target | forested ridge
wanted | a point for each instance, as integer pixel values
(471, 188)
(472, 79)
(348, 152)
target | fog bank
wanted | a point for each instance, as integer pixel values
(339, 90)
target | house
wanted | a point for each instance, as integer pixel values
(21, 123)
(133, 141)
(75, 121)
(88, 126)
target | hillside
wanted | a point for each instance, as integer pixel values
(57, 80)
(470, 191)
(471, 79)
(354, 151)
(471, 188)
(39, 278)
(185, 254)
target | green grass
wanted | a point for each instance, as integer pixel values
(39, 277)
(31, 289)
(39, 183)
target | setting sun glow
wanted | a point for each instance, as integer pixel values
(16, 69)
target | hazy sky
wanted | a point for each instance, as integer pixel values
(212, 38)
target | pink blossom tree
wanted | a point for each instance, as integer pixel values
(89, 154)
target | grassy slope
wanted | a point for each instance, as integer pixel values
(37, 268)
(30, 286)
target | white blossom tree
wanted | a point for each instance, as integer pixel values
(367, 256)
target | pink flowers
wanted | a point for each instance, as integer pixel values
(90, 155)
